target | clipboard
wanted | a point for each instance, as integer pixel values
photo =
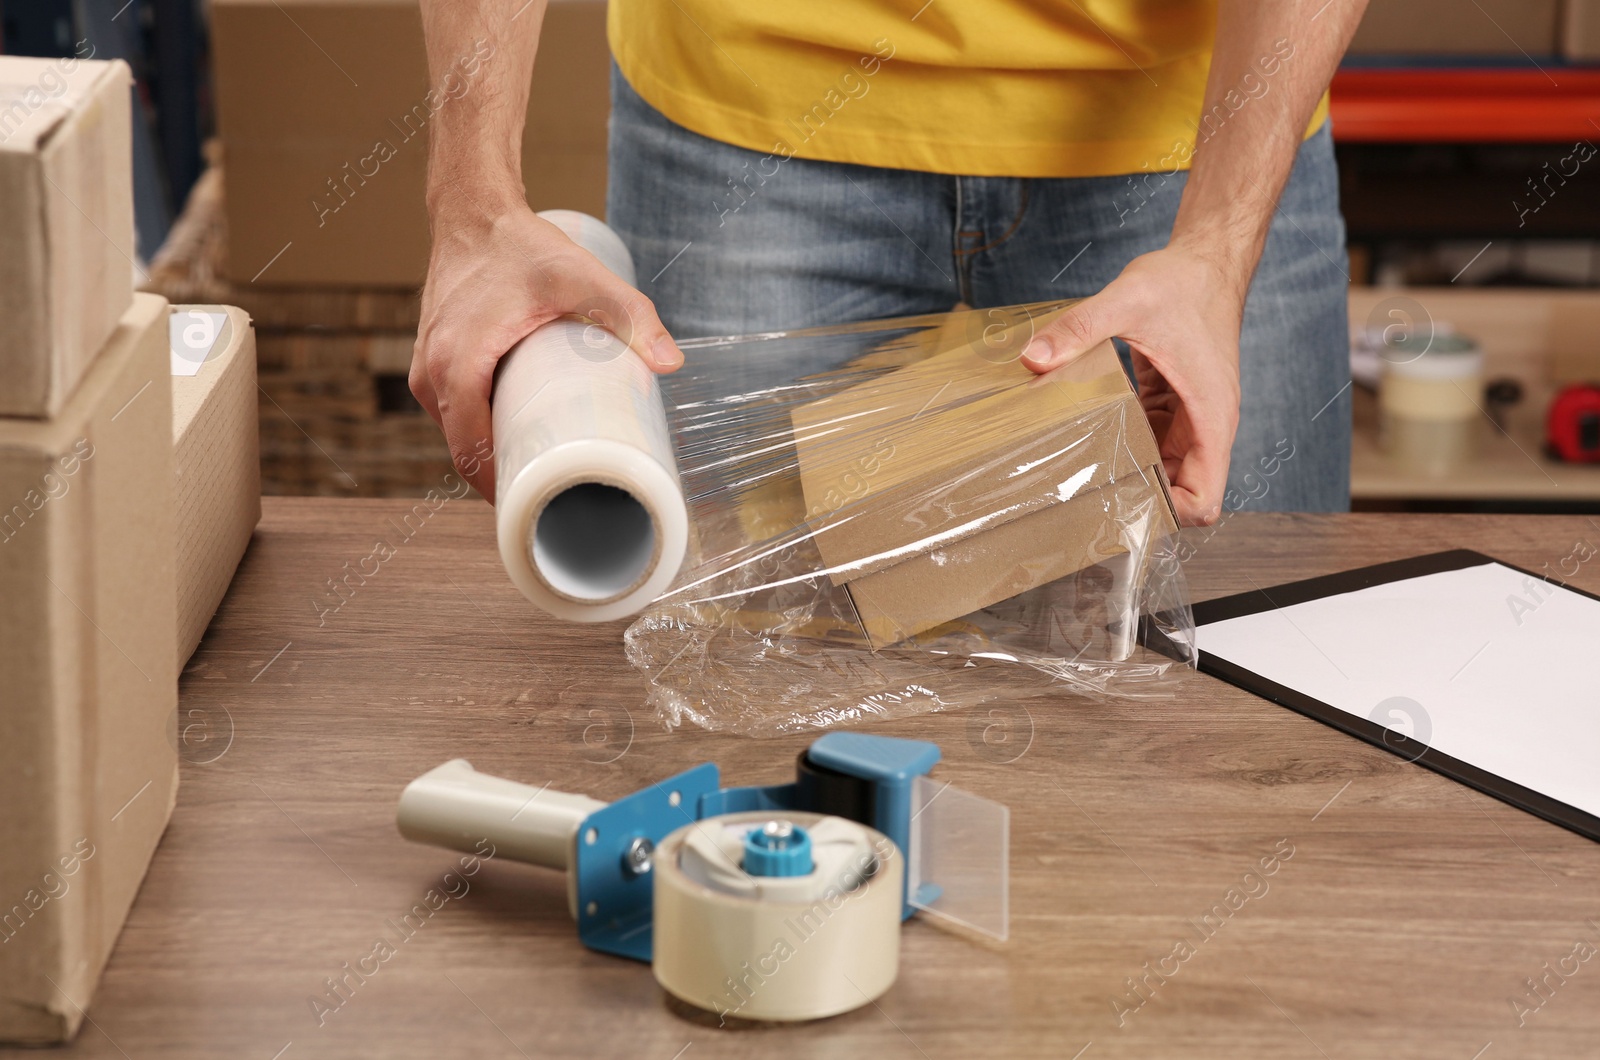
(1404, 623)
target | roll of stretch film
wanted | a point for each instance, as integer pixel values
(794, 947)
(590, 513)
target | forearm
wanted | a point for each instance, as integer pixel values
(475, 145)
(1270, 65)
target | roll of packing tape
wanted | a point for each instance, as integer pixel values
(590, 514)
(780, 947)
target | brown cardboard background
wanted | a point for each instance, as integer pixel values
(1580, 30)
(291, 118)
(1458, 27)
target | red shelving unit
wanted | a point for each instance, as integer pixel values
(1553, 105)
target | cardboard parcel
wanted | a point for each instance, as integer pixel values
(66, 192)
(88, 631)
(956, 482)
(217, 457)
(896, 516)
(324, 108)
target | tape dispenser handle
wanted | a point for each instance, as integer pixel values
(456, 807)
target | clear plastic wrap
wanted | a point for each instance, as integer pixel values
(896, 517)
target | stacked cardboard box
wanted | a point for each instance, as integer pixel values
(322, 234)
(325, 116)
(88, 644)
(191, 267)
(66, 265)
(336, 413)
(89, 535)
(1513, 29)
(1580, 31)
(88, 627)
(217, 463)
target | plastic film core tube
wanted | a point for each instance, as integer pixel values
(590, 514)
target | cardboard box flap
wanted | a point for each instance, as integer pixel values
(38, 96)
(955, 445)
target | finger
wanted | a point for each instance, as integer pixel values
(421, 385)
(637, 323)
(1145, 373)
(1078, 329)
(1199, 481)
(463, 396)
(1161, 410)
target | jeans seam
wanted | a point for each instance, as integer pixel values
(961, 262)
(1016, 223)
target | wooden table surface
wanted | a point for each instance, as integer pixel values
(1403, 925)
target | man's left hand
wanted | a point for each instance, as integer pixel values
(1179, 312)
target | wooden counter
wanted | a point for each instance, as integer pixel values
(1403, 925)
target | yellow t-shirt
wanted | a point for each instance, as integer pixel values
(1022, 88)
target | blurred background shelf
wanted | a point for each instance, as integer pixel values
(1510, 467)
(1542, 339)
(1424, 105)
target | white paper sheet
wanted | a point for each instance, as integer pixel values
(1485, 664)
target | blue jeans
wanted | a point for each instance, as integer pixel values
(729, 241)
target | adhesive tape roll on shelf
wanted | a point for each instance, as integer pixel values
(777, 947)
(590, 513)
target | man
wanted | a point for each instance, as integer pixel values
(783, 165)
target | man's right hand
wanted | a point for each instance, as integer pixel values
(492, 282)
